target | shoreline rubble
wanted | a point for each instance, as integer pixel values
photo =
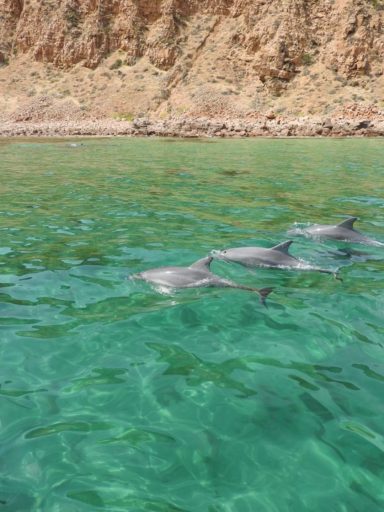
(268, 125)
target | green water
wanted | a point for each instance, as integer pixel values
(115, 397)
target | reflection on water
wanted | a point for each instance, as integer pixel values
(115, 397)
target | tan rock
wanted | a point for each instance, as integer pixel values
(214, 59)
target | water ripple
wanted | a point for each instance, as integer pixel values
(116, 398)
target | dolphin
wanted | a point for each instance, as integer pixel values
(277, 256)
(195, 276)
(343, 231)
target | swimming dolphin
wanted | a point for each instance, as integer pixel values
(342, 231)
(277, 256)
(196, 275)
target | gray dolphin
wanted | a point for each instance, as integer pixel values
(342, 231)
(195, 276)
(277, 256)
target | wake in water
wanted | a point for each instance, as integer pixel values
(299, 229)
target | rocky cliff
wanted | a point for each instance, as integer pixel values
(214, 58)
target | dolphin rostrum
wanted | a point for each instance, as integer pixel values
(196, 275)
(277, 256)
(343, 231)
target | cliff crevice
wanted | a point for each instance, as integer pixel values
(167, 56)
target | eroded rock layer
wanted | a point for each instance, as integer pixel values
(211, 58)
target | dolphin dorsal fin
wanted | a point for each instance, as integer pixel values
(283, 247)
(348, 223)
(202, 264)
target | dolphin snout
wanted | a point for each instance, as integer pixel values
(132, 277)
(218, 254)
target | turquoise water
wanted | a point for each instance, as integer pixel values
(115, 397)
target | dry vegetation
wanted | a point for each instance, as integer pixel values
(217, 59)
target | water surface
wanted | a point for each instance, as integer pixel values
(115, 397)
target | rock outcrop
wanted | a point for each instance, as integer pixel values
(209, 58)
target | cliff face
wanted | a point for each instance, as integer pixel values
(212, 57)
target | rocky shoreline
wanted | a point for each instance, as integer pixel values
(265, 126)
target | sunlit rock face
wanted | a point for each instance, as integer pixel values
(207, 56)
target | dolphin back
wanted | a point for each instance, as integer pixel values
(283, 247)
(203, 264)
(347, 223)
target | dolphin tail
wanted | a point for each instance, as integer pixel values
(264, 292)
(334, 273)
